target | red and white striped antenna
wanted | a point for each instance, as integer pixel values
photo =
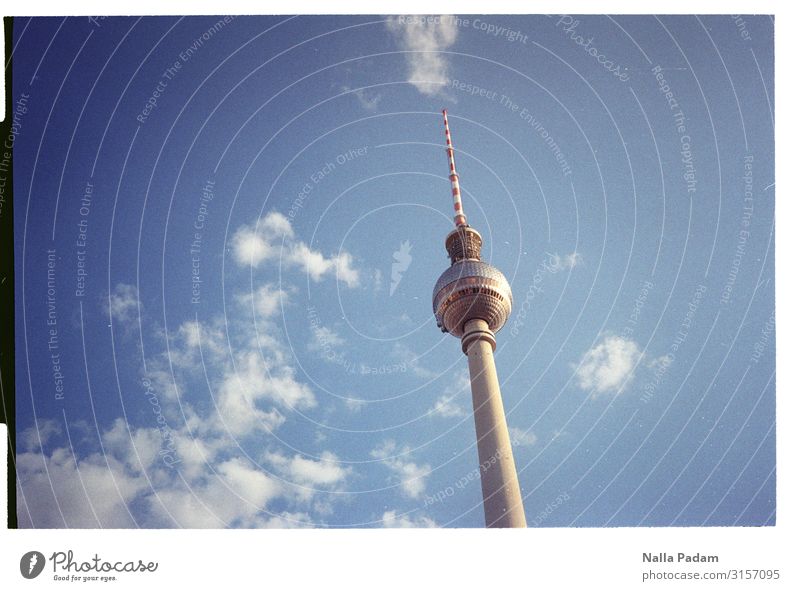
(460, 218)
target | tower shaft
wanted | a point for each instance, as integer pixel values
(502, 499)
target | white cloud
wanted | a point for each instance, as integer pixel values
(662, 362)
(254, 243)
(444, 407)
(250, 248)
(308, 474)
(248, 483)
(287, 520)
(311, 261)
(252, 382)
(197, 453)
(36, 437)
(522, 437)
(377, 281)
(392, 519)
(239, 416)
(272, 239)
(609, 366)
(323, 339)
(249, 372)
(355, 404)
(412, 476)
(233, 496)
(136, 449)
(55, 490)
(447, 405)
(369, 100)
(343, 263)
(428, 68)
(562, 262)
(123, 303)
(405, 356)
(190, 338)
(266, 300)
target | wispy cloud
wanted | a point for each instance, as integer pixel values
(246, 388)
(248, 370)
(393, 519)
(266, 300)
(377, 281)
(447, 405)
(327, 470)
(562, 262)
(662, 362)
(425, 39)
(412, 476)
(36, 437)
(307, 474)
(522, 437)
(369, 100)
(323, 338)
(233, 496)
(123, 304)
(355, 404)
(286, 520)
(403, 354)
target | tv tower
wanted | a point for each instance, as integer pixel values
(472, 301)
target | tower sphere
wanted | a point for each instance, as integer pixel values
(471, 289)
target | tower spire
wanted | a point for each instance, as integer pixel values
(459, 218)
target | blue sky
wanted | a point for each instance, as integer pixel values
(228, 231)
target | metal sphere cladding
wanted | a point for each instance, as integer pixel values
(469, 288)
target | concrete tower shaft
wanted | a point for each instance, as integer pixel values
(502, 498)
